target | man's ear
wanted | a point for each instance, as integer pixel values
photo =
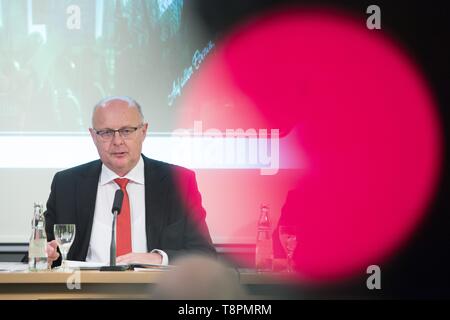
(93, 134)
(145, 128)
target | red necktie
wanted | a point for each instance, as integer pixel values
(123, 221)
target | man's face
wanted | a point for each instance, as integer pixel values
(120, 154)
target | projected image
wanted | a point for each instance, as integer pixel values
(59, 57)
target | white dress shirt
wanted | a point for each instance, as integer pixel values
(100, 242)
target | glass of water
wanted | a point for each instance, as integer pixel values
(64, 236)
(288, 238)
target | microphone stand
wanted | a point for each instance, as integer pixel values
(112, 251)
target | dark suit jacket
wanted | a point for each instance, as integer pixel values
(175, 218)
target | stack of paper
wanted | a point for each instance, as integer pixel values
(13, 266)
(83, 265)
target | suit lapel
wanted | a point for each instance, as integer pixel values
(87, 185)
(155, 201)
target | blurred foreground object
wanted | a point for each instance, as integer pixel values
(199, 277)
(360, 148)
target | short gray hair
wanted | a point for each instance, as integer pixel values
(131, 103)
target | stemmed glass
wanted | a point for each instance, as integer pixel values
(64, 236)
(288, 238)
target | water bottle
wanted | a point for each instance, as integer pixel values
(264, 254)
(37, 251)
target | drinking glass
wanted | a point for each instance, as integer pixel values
(64, 236)
(288, 239)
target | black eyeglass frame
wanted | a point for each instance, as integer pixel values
(112, 132)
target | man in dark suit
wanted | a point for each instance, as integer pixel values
(162, 214)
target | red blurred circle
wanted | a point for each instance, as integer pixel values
(360, 139)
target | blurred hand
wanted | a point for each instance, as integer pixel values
(52, 252)
(151, 258)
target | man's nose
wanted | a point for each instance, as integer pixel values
(117, 138)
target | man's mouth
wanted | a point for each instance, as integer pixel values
(119, 154)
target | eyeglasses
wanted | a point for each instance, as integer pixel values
(108, 134)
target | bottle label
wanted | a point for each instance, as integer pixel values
(263, 255)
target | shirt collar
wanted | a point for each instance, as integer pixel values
(136, 174)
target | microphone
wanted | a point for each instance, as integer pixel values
(117, 205)
(118, 199)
